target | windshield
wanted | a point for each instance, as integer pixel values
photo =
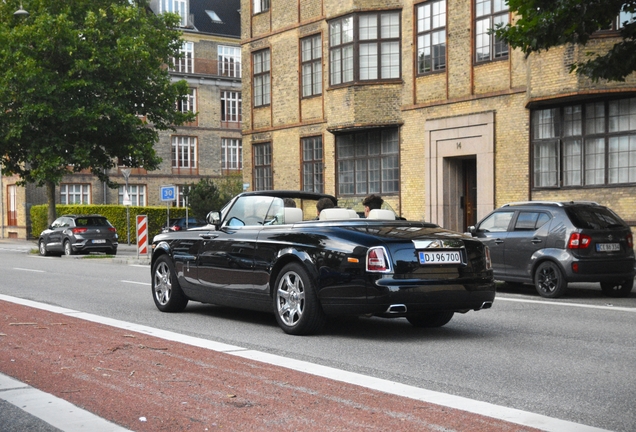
(255, 211)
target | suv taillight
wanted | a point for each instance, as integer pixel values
(378, 260)
(630, 240)
(112, 229)
(487, 256)
(579, 241)
(79, 230)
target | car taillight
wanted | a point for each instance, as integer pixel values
(630, 240)
(487, 256)
(378, 260)
(579, 241)
(112, 229)
(176, 228)
(78, 230)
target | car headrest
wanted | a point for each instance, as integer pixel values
(353, 214)
(293, 215)
(334, 214)
(381, 214)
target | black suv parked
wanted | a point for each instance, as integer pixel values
(550, 244)
(71, 234)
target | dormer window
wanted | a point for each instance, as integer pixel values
(179, 7)
(214, 17)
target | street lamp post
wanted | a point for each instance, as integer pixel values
(126, 173)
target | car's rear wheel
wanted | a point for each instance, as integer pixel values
(430, 319)
(68, 249)
(549, 280)
(617, 288)
(42, 248)
(166, 291)
(296, 304)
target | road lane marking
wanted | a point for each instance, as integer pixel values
(29, 270)
(511, 415)
(136, 283)
(558, 303)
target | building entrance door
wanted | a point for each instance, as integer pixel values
(469, 201)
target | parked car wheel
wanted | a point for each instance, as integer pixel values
(296, 305)
(166, 291)
(430, 319)
(617, 289)
(68, 249)
(549, 280)
(42, 248)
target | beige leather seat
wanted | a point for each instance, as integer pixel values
(335, 214)
(293, 215)
(381, 214)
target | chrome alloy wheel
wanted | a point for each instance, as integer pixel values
(290, 298)
(162, 284)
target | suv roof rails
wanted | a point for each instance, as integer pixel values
(555, 203)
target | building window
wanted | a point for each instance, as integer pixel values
(313, 165)
(624, 18)
(431, 36)
(368, 162)
(189, 102)
(12, 208)
(261, 78)
(591, 144)
(230, 106)
(311, 58)
(231, 154)
(75, 194)
(261, 6)
(364, 47)
(262, 166)
(184, 152)
(180, 7)
(136, 194)
(229, 61)
(185, 62)
(489, 14)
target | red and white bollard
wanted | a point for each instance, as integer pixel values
(142, 235)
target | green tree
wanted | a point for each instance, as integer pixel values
(208, 194)
(543, 24)
(82, 84)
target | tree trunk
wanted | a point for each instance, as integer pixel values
(50, 198)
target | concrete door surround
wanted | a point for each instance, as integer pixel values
(470, 135)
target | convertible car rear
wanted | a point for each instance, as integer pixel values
(257, 253)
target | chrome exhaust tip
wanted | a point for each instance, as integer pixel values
(486, 305)
(396, 309)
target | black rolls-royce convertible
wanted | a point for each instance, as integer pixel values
(270, 251)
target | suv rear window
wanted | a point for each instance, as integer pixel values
(588, 217)
(91, 221)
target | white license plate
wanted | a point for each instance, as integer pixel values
(440, 257)
(99, 241)
(608, 247)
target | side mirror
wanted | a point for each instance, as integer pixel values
(472, 230)
(213, 218)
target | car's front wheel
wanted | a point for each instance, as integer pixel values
(617, 288)
(68, 249)
(42, 248)
(549, 280)
(296, 304)
(166, 291)
(431, 319)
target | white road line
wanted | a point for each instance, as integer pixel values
(560, 303)
(29, 270)
(136, 283)
(511, 415)
(53, 410)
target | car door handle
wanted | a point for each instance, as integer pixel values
(536, 240)
(209, 236)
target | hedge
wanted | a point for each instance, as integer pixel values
(116, 214)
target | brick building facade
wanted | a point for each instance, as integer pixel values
(209, 147)
(416, 101)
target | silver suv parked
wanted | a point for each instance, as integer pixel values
(550, 244)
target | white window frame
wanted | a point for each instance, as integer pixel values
(231, 154)
(189, 102)
(231, 106)
(70, 192)
(185, 62)
(136, 193)
(180, 7)
(260, 6)
(184, 152)
(229, 61)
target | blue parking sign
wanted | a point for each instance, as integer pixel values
(168, 193)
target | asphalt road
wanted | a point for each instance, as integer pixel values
(572, 358)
